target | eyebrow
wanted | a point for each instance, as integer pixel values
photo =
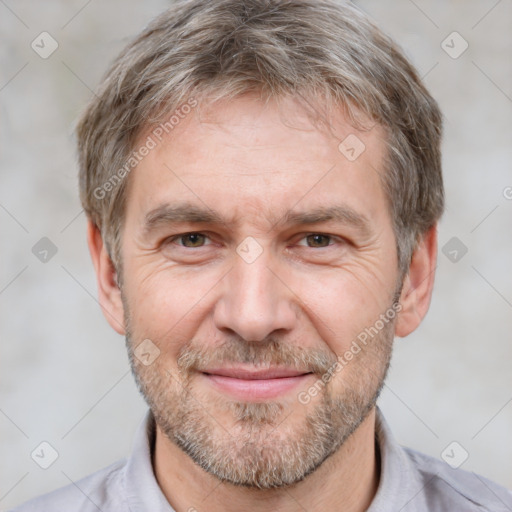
(340, 213)
(181, 213)
(168, 214)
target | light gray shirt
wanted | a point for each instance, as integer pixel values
(409, 482)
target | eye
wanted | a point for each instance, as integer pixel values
(317, 240)
(190, 240)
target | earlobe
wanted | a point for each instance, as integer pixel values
(418, 284)
(109, 294)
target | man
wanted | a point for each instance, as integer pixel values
(262, 180)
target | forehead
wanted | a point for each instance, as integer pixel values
(250, 158)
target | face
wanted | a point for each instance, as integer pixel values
(256, 257)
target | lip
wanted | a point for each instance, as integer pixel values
(255, 384)
(240, 372)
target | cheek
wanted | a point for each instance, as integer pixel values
(168, 306)
(341, 304)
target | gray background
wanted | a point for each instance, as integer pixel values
(65, 375)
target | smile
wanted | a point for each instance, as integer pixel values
(246, 384)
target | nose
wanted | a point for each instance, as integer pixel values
(255, 301)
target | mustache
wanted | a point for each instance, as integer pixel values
(260, 354)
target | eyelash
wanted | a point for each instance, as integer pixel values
(183, 235)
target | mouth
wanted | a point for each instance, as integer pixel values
(245, 383)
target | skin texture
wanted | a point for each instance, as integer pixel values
(299, 304)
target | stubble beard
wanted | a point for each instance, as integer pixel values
(266, 445)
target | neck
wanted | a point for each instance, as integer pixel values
(346, 481)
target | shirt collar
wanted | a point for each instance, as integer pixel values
(141, 487)
(143, 492)
(398, 477)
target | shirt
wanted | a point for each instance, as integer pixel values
(409, 482)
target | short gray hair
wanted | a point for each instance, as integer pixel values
(213, 49)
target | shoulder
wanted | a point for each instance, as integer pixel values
(101, 490)
(446, 488)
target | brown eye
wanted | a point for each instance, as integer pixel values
(318, 240)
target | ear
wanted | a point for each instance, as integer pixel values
(108, 289)
(418, 284)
